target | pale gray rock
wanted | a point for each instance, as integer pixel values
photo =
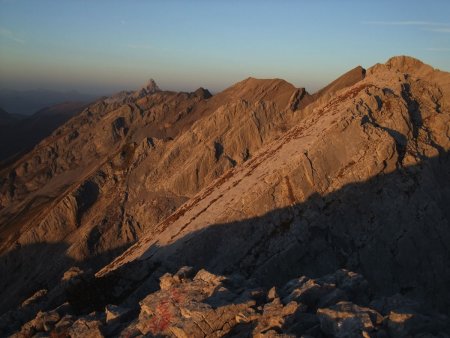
(84, 327)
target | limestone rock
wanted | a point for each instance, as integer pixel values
(166, 281)
(272, 294)
(324, 291)
(36, 297)
(346, 319)
(403, 323)
(182, 309)
(64, 324)
(86, 327)
(211, 305)
(184, 273)
(114, 312)
(205, 276)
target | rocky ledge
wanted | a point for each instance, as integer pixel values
(201, 304)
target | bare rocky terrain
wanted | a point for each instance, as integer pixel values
(262, 210)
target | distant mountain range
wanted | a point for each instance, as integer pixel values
(7, 119)
(27, 102)
(20, 133)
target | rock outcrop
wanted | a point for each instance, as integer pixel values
(202, 304)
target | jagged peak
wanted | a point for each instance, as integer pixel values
(408, 64)
(253, 81)
(404, 61)
(348, 79)
(151, 86)
(203, 93)
(252, 89)
(252, 84)
(404, 64)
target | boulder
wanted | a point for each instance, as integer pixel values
(166, 281)
(183, 273)
(208, 277)
(307, 291)
(404, 323)
(346, 319)
(115, 313)
(35, 298)
(86, 328)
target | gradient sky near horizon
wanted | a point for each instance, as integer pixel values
(103, 46)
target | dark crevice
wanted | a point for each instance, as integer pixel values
(400, 140)
(414, 112)
(218, 150)
(85, 196)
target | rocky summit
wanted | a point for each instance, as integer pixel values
(262, 210)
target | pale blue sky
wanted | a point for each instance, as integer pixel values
(103, 46)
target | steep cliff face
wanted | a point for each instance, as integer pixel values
(123, 165)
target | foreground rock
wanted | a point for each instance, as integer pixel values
(203, 304)
(346, 319)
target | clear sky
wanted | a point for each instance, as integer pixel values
(107, 45)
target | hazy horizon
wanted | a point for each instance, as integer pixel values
(103, 47)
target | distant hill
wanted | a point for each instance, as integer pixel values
(19, 133)
(29, 101)
(7, 118)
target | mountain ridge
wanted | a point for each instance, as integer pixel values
(262, 179)
(166, 188)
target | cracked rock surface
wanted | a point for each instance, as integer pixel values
(202, 304)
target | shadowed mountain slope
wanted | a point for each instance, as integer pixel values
(7, 119)
(21, 134)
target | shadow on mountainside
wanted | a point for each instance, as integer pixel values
(19, 138)
(394, 229)
(21, 278)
